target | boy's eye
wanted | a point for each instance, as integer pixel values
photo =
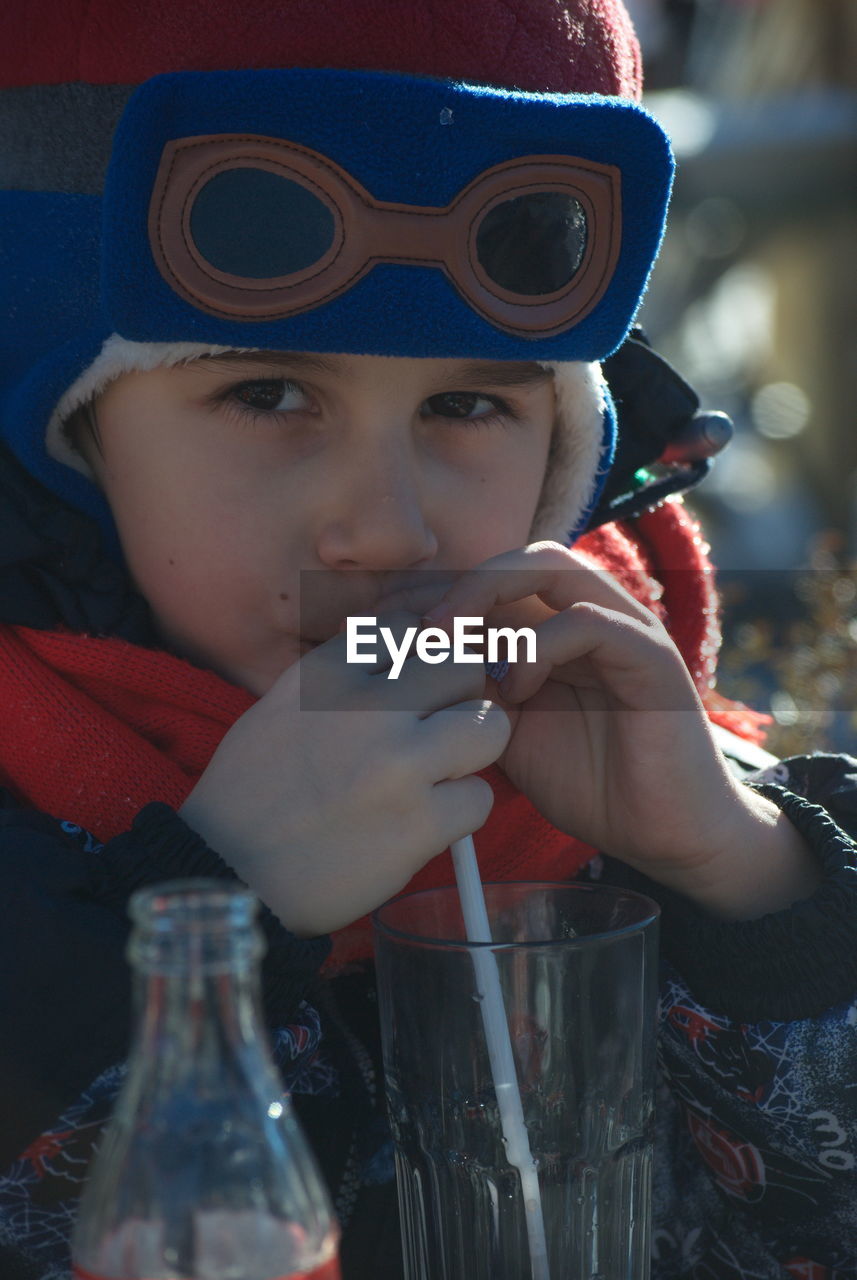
(461, 404)
(271, 395)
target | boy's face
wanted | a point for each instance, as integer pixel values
(229, 475)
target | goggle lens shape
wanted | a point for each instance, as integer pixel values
(533, 244)
(259, 225)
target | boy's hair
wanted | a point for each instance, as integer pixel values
(81, 426)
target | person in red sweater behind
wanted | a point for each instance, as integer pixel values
(319, 317)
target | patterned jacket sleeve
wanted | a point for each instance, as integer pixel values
(757, 1119)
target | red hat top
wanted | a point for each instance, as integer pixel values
(561, 46)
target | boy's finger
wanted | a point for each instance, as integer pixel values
(392, 675)
(330, 680)
(462, 807)
(370, 648)
(425, 687)
(461, 740)
(631, 659)
(558, 576)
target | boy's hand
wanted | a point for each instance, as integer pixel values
(326, 814)
(610, 740)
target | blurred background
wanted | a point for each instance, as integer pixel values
(754, 300)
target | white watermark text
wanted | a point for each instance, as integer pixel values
(433, 645)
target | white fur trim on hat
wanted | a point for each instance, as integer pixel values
(575, 447)
(575, 453)
(117, 356)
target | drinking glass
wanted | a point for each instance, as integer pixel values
(578, 971)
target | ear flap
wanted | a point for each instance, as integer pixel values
(665, 443)
(583, 435)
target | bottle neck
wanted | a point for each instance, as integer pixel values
(190, 927)
(195, 1015)
(196, 963)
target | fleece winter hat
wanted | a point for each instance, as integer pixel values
(442, 180)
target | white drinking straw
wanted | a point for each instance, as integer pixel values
(500, 1056)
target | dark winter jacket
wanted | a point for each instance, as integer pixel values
(756, 1141)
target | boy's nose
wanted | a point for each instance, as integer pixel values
(377, 519)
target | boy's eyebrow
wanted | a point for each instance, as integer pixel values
(497, 373)
(503, 373)
(295, 359)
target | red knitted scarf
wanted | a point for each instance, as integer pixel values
(93, 729)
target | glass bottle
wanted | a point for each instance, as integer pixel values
(203, 1173)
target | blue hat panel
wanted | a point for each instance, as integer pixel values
(52, 322)
(407, 140)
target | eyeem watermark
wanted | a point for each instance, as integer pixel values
(433, 645)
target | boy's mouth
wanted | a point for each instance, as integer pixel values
(306, 645)
(415, 596)
(324, 617)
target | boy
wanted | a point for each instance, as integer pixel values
(347, 324)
